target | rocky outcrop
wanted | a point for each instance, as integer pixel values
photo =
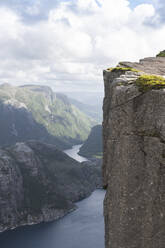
(40, 183)
(134, 155)
(151, 65)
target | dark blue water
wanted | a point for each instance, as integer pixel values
(83, 228)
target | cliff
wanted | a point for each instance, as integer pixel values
(134, 154)
(40, 183)
(36, 112)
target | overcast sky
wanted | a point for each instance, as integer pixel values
(67, 44)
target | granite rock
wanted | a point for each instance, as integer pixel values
(134, 158)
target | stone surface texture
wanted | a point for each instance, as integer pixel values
(134, 159)
(151, 65)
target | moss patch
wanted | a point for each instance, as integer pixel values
(148, 82)
(161, 54)
(115, 69)
(98, 155)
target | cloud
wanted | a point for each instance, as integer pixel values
(74, 42)
(160, 9)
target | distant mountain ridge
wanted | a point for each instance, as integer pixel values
(93, 111)
(36, 112)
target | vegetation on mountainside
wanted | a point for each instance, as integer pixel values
(93, 111)
(59, 117)
(53, 111)
(50, 184)
(148, 82)
(115, 69)
(161, 54)
(93, 145)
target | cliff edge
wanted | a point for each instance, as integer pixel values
(134, 154)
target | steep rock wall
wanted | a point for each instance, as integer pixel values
(133, 161)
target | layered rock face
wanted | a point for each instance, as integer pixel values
(40, 183)
(134, 158)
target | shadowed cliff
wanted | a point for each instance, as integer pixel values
(133, 158)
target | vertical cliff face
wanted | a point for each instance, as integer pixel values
(134, 155)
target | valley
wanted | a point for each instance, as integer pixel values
(34, 112)
(72, 231)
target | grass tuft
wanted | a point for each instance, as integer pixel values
(161, 54)
(148, 82)
(115, 69)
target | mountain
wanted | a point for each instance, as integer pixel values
(36, 112)
(40, 183)
(92, 147)
(93, 111)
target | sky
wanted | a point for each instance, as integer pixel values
(66, 44)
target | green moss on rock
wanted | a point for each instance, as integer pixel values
(161, 54)
(148, 82)
(115, 69)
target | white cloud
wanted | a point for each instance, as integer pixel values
(33, 9)
(76, 42)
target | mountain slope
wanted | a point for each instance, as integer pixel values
(92, 147)
(36, 112)
(93, 111)
(40, 183)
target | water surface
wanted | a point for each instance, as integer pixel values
(73, 153)
(83, 228)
